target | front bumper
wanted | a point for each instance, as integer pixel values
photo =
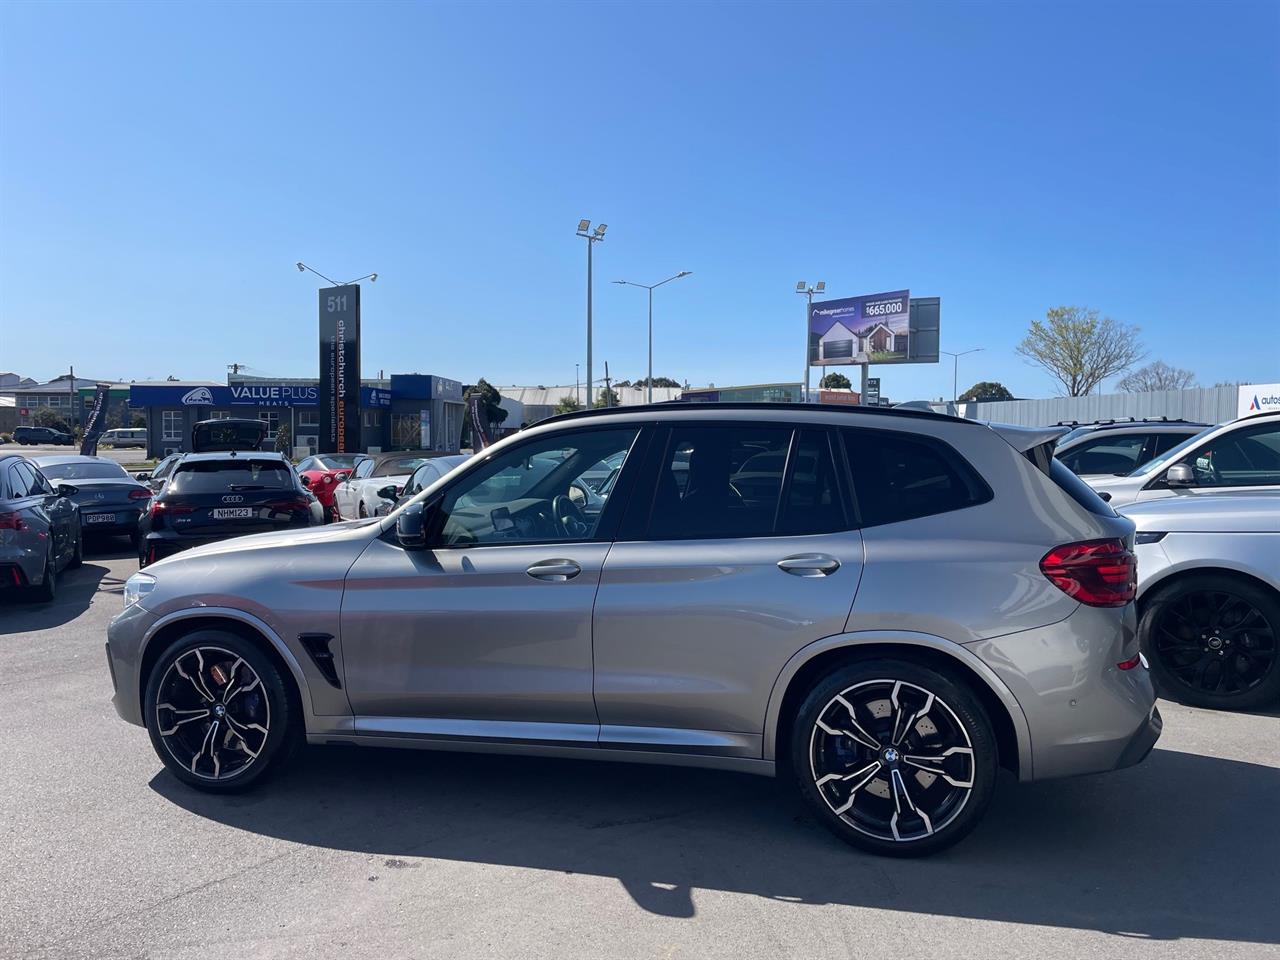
(1084, 714)
(124, 660)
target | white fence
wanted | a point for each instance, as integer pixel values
(1202, 405)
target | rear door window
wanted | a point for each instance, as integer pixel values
(19, 483)
(219, 476)
(899, 476)
(1106, 454)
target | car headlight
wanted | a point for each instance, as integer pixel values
(137, 587)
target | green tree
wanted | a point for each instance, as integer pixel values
(493, 413)
(1157, 376)
(987, 390)
(568, 405)
(48, 417)
(139, 420)
(835, 381)
(607, 398)
(657, 382)
(1079, 348)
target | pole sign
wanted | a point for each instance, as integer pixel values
(479, 422)
(872, 397)
(340, 369)
(96, 422)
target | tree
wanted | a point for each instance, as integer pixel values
(835, 381)
(492, 398)
(987, 390)
(282, 438)
(139, 420)
(1079, 349)
(47, 417)
(1157, 376)
(607, 398)
(568, 405)
(657, 382)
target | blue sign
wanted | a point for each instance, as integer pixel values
(240, 394)
(375, 398)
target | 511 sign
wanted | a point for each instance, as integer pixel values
(340, 369)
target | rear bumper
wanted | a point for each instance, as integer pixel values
(1084, 714)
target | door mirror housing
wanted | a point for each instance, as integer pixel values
(143, 476)
(1180, 475)
(388, 492)
(306, 481)
(342, 477)
(411, 526)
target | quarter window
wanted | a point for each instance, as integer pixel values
(902, 476)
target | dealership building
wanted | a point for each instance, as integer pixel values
(406, 411)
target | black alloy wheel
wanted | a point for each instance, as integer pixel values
(897, 758)
(1212, 641)
(219, 713)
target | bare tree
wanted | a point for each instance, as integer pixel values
(1080, 349)
(1157, 376)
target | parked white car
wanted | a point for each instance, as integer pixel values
(1239, 457)
(1209, 597)
(357, 496)
(428, 473)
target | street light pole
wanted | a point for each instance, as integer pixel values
(955, 370)
(808, 291)
(652, 287)
(592, 237)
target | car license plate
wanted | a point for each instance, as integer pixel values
(99, 518)
(232, 513)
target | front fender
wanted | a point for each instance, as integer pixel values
(909, 639)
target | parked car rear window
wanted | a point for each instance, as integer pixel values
(71, 472)
(899, 476)
(217, 476)
(398, 466)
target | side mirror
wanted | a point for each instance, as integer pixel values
(1180, 475)
(306, 481)
(66, 490)
(343, 477)
(143, 476)
(411, 527)
(388, 492)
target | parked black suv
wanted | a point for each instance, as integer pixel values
(43, 435)
(228, 488)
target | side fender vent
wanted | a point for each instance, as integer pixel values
(317, 646)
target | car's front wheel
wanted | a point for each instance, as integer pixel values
(220, 714)
(1213, 641)
(894, 757)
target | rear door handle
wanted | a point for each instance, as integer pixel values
(809, 565)
(554, 570)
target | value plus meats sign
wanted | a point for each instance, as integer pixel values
(340, 369)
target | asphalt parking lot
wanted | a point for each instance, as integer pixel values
(413, 854)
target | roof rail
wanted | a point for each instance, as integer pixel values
(667, 406)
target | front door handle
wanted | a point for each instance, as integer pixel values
(809, 565)
(554, 570)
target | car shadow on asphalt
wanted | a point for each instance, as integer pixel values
(1182, 846)
(76, 590)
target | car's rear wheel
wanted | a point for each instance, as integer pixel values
(894, 757)
(77, 555)
(361, 511)
(220, 714)
(1214, 641)
(48, 588)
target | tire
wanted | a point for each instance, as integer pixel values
(48, 589)
(848, 752)
(135, 541)
(1213, 641)
(239, 755)
(361, 511)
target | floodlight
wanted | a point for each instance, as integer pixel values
(301, 266)
(601, 229)
(800, 286)
(822, 285)
(584, 226)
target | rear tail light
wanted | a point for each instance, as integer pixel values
(1132, 662)
(289, 506)
(160, 508)
(140, 494)
(1100, 573)
(12, 520)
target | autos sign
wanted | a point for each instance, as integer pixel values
(1257, 398)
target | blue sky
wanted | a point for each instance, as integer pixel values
(163, 166)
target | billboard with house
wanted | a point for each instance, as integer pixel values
(880, 328)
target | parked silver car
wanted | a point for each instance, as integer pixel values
(1209, 597)
(39, 529)
(885, 605)
(1243, 455)
(1111, 447)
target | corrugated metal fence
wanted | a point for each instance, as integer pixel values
(1204, 405)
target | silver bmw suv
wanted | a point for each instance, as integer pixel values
(884, 605)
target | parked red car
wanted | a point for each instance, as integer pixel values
(324, 472)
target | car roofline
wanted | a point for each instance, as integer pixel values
(684, 406)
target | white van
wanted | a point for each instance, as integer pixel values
(125, 437)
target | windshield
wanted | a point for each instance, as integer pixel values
(85, 471)
(398, 466)
(335, 461)
(1169, 456)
